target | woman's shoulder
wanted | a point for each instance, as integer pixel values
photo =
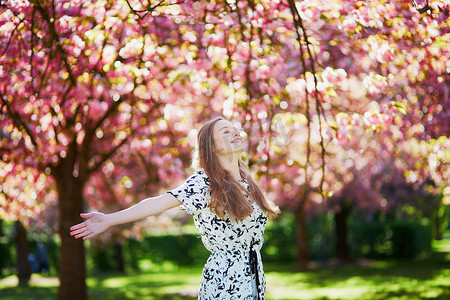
(200, 171)
(200, 176)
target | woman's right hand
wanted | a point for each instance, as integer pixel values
(96, 223)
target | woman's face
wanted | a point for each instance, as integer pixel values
(227, 138)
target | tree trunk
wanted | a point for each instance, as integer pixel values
(302, 238)
(23, 264)
(438, 218)
(72, 266)
(3, 250)
(118, 255)
(341, 230)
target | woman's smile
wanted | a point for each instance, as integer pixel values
(237, 140)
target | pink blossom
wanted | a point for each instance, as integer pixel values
(142, 146)
(365, 17)
(215, 39)
(171, 112)
(334, 76)
(296, 89)
(97, 109)
(131, 49)
(356, 120)
(374, 83)
(194, 9)
(109, 54)
(342, 136)
(385, 53)
(342, 120)
(210, 6)
(349, 23)
(274, 88)
(241, 4)
(63, 23)
(372, 119)
(376, 119)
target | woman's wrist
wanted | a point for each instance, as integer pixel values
(110, 220)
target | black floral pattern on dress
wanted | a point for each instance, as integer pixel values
(227, 272)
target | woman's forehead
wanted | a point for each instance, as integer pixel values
(223, 123)
(226, 124)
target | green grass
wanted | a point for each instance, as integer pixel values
(373, 280)
(427, 278)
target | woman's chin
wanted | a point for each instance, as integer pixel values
(238, 147)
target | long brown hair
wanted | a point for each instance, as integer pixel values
(226, 192)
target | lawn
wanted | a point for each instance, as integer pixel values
(428, 278)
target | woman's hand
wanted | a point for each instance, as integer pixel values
(98, 222)
(95, 224)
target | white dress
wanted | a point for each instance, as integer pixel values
(228, 271)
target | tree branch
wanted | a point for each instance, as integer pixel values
(308, 118)
(17, 120)
(425, 9)
(32, 49)
(299, 25)
(106, 156)
(55, 39)
(148, 10)
(10, 37)
(54, 114)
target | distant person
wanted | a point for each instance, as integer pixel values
(33, 262)
(42, 258)
(229, 211)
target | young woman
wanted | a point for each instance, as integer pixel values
(229, 211)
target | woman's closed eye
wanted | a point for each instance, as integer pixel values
(227, 131)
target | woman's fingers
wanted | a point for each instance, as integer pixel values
(87, 228)
(89, 236)
(86, 215)
(75, 232)
(78, 226)
(84, 233)
(81, 225)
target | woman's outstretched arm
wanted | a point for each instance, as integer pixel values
(98, 222)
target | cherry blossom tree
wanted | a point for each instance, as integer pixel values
(72, 94)
(90, 90)
(22, 194)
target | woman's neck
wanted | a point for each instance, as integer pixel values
(231, 164)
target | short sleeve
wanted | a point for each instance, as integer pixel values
(192, 193)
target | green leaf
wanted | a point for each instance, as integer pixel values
(334, 125)
(400, 106)
(323, 16)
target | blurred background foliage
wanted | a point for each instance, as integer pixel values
(385, 237)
